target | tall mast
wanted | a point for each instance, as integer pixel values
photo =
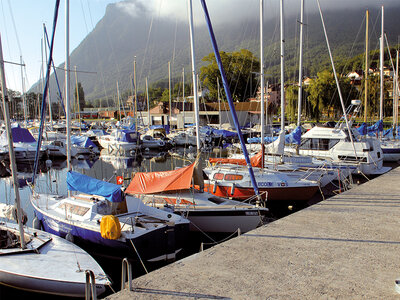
(11, 153)
(118, 102)
(262, 80)
(282, 68)
(195, 94)
(77, 100)
(23, 89)
(67, 85)
(230, 102)
(169, 92)
(300, 64)
(396, 102)
(381, 58)
(48, 85)
(366, 67)
(183, 95)
(337, 80)
(135, 88)
(148, 104)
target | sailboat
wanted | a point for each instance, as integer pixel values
(173, 191)
(34, 260)
(101, 215)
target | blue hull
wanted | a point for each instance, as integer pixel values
(164, 241)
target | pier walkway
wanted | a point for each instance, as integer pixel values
(346, 247)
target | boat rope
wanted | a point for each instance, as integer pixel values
(140, 259)
(237, 232)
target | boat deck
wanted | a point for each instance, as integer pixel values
(346, 247)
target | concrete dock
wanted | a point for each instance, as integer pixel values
(346, 247)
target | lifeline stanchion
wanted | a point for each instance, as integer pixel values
(126, 268)
(90, 286)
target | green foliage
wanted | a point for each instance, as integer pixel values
(239, 66)
(323, 95)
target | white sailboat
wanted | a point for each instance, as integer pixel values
(37, 261)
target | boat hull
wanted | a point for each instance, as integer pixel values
(299, 193)
(49, 265)
(158, 244)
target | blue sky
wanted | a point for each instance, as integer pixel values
(21, 28)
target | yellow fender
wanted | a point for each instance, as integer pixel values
(110, 228)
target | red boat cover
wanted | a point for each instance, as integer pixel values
(254, 160)
(156, 182)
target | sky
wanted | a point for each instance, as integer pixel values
(21, 23)
(21, 29)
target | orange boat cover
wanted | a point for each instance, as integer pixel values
(254, 160)
(156, 182)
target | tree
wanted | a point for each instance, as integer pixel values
(81, 95)
(324, 97)
(239, 67)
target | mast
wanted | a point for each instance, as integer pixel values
(282, 68)
(337, 81)
(366, 67)
(195, 94)
(299, 102)
(230, 101)
(262, 80)
(381, 58)
(23, 89)
(169, 92)
(77, 100)
(396, 94)
(135, 86)
(118, 102)
(183, 95)
(48, 85)
(11, 153)
(148, 104)
(67, 86)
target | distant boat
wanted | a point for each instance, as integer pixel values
(120, 141)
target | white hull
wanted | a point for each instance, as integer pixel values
(58, 268)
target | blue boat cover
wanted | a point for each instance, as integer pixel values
(82, 141)
(225, 133)
(166, 127)
(292, 138)
(370, 130)
(92, 186)
(130, 136)
(19, 134)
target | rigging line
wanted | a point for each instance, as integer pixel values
(8, 42)
(15, 28)
(99, 57)
(84, 17)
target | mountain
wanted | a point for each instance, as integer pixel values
(110, 49)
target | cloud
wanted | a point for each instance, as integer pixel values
(224, 11)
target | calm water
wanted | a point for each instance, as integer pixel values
(52, 179)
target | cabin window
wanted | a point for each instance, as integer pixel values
(318, 144)
(233, 177)
(305, 144)
(74, 209)
(218, 176)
